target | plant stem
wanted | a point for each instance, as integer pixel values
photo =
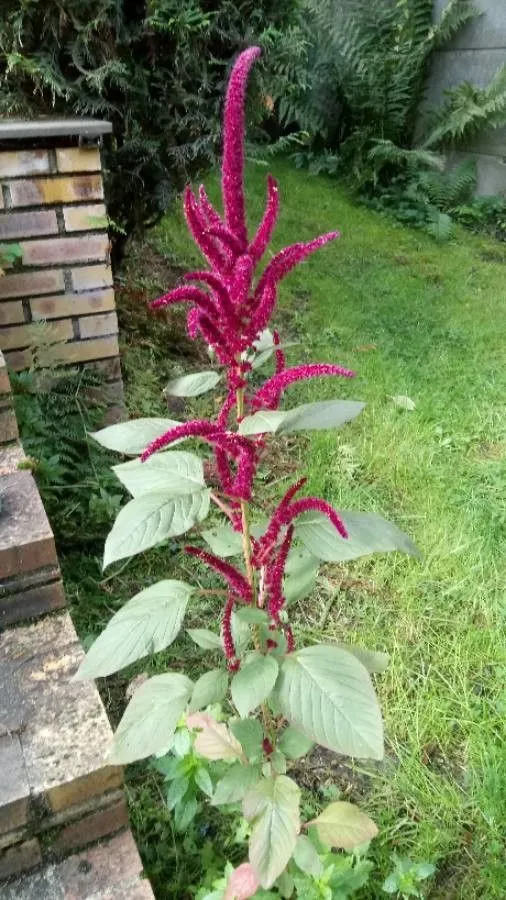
(246, 534)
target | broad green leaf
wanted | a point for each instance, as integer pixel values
(306, 857)
(176, 791)
(310, 416)
(327, 693)
(214, 740)
(241, 634)
(203, 780)
(150, 519)
(285, 885)
(211, 687)
(300, 574)
(404, 402)
(293, 743)
(148, 623)
(253, 683)
(184, 813)
(175, 472)
(273, 808)
(204, 638)
(252, 615)
(344, 826)
(374, 661)
(150, 719)
(131, 438)
(192, 385)
(368, 533)
(235, 784)
(250, 735)
(224, 541)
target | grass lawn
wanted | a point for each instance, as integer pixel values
(424, 321)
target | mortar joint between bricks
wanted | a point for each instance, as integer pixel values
(67, 280)
(60, 220)
(53, 167)
(6, 195)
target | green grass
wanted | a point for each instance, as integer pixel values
(427, 321)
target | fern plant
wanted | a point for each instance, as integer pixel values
(367, 69)
(467, 112)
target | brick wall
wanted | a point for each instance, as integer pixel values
(52, 206)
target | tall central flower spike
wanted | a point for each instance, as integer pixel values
(230, 307)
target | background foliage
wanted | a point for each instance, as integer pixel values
(156, 69)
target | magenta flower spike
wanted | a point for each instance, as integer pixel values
(273, 387)
(233, 146)
(260, 242)
(235, 579)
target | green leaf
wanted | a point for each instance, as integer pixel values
(250, 735)
(203, 781)
(241, 633)
(368, 533)
(273, 808)
(253, 683)
(306, 857)
(310, 416)
(175, 472)
(150, 519)
(285, 885)
(327, 693)
(204, 638)
(211, 687)
(214, 740)
(224, 541)
(344, 826)
(294, 744)
(131, 438)
(176, 791)
(300, 574)
(252, 615)
(404, 402)
(185, 813)
(150, 719)
(375, 662)
(192, 385)
(235, 784)
(148, 623)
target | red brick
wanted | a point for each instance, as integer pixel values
(71, 304)
(65, 250)
(19, 359)
(97, 326)
(19, 858)
(89, 277)
(85, 218)
(62, 189)
(78, 159)
(34, 601)
(11, 313)
(81, 351)
(28, 224)
(29, 284)
(94, 784)
(24, 162)
(8, 426)
(92, 827)
(26, 539)
(14, 787)
(18, 336)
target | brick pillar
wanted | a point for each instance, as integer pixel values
(52, 207)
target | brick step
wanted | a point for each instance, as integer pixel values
(108, 871)
(56, 793)
(30, 579)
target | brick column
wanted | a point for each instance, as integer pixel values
(52, 207)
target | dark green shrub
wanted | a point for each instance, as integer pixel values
(155, 68)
